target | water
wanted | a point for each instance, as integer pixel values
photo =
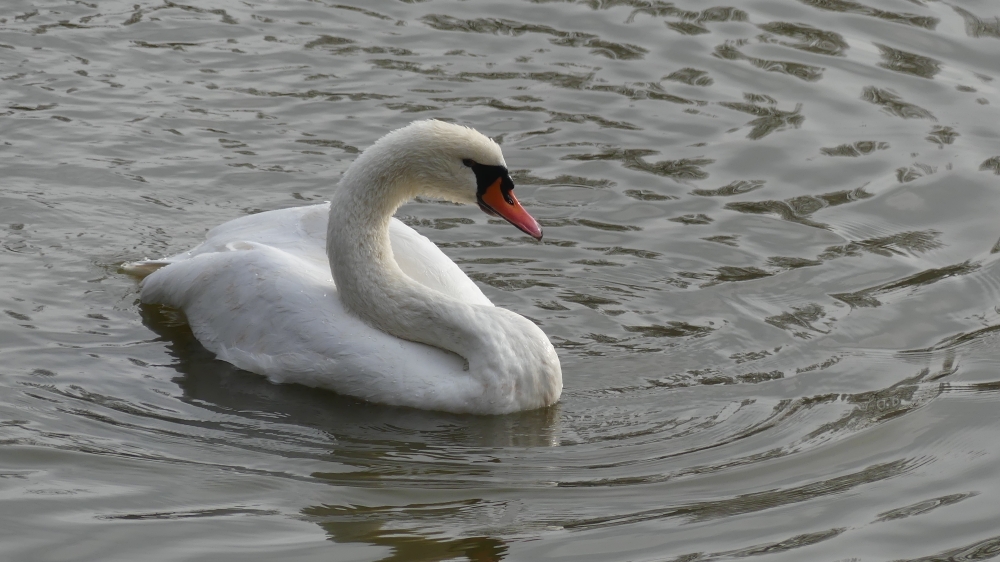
(770, 270)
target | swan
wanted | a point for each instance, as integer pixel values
(344, 296)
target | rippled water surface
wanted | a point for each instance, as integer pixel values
(770, 270)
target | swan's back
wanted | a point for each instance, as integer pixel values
(301, 232)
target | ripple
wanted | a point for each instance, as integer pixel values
(691, 77)
(849, 6)
(647, 195)
(590, 41)
(900, 244)
(674, 329)
(866, 298)
(807, 38)
(799, 318)
(973, 338)
(991, 164)
(194, 514)
(922, 507)
(897, 60)
(730, 51)
(633, 159)
(525, 177)
(342, 46)
(980, 550)
(860, 148)
(978, 27)
(769, 119)
(892, 104)
(800, 209)
(734, 188)
(759, 501)
(692, 219)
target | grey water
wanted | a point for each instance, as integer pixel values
(770, 269)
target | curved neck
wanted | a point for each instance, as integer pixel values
(369, 281)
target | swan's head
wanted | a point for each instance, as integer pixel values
(458, 164)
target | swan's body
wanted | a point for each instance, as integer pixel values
(397, 322)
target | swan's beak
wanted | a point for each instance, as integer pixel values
(498, 199)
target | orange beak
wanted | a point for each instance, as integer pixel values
(501, 202)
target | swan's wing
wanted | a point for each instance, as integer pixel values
(298, 231)
(426, 264)
(270, 312)
(301, 232)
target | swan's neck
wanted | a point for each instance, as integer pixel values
(369, 282)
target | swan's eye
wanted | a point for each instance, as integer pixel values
(469, 162)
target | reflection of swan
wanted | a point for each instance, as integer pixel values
(258, 292)
(380, 526)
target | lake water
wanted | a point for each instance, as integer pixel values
(771, 270)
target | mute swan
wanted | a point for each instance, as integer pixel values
(398, 322)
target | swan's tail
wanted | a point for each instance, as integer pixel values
(143, 268)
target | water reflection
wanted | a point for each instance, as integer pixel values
(908, 63)
(596, 45)
(769, 117)
(634, 159)
(730, 50)
(893, 104)
(807, 38)
(976, 26)
(849, 6)
(860, 148)
(380, 526)
(801, 208)
(693, 23)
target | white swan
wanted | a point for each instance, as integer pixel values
(398, 323)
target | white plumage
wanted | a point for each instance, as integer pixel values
(397, 322)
